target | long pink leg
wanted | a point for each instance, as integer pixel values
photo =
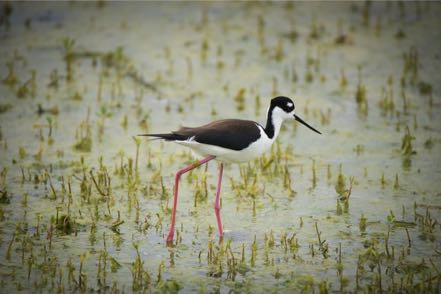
(175, 192)
(217, 206)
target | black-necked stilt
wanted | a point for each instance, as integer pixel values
(229, 140)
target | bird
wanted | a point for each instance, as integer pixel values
(229, 141)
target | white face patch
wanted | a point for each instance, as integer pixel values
(289, 104)
(279, 115)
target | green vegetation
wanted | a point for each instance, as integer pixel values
(85, 203)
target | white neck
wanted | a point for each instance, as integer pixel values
(277, 123)
(274, 123)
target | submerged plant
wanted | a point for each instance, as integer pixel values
(411, 65)
(240, 99)
(340, 186)
(68, 45)
(64, 224)
(360, 94)
(343, 200)
(406, 143)
(323, 245)
(11, 79)
(84, 136)
(362, 223)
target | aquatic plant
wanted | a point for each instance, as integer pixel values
(360, 94)
(83, 208)
(11, 79)
(323, 245)
(406, 143)
(68, 45)
(239, 98)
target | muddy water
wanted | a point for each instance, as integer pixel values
(357, 208)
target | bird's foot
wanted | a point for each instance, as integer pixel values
(170, 239)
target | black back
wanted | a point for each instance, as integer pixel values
(235, 134)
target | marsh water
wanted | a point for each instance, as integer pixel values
(86, 205)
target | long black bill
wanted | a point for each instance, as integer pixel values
(304, 123)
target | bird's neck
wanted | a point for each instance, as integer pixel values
(273, 124)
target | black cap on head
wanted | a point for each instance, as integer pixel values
(283, 102)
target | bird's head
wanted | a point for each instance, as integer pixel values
(284, 108)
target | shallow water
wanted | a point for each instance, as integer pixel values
(186, 64)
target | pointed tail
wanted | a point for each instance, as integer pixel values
(167, 137)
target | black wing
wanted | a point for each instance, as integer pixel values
(233, 134)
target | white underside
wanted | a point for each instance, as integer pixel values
(254, 150)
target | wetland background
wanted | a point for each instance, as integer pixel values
(85, 205)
